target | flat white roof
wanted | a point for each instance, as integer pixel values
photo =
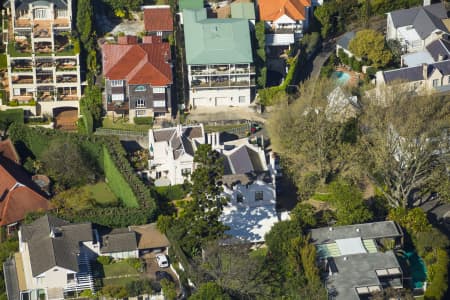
(249, 223)
(351, 246)
(417, 59)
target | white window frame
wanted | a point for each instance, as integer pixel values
(117, 97)
(435, 82)
(115, 83)
(186, 171)
(16, 92)
(140, 88)
(61, 13)
(140, 103)
(257, 194)
(41, 13)
(159, 103)
(140, 112)
(159, 90)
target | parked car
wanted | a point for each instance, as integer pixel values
(255, 128)
(160, 275)
(162, 260)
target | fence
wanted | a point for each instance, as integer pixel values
(119, 132)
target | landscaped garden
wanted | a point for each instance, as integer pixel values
(101, 193)
(121, 123)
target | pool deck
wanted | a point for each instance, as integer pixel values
(354, 76)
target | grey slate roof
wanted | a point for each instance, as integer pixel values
(358, 270)
(118, 241)
(180, 143)
(404, 74)
(425, 19)
(11, 279)
(344, 40)
(365, 231)
(61, 249)
(439, 48)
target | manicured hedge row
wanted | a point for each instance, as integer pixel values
(117, 183)
(143, 120)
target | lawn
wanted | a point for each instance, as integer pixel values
(122, 124)
(102, 194)
(121, 268)
(120, 281)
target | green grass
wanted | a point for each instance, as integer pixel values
(222, 128)
(3, 64)
(121, 124)
(121, 268)
(102, 194)
(120, 281)
(15, 53)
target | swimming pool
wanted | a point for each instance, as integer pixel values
(417, 268)
(341, 77)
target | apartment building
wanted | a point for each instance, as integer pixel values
(42, 58)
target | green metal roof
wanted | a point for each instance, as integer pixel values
(216, 41)
(243, 11)
(190, 4)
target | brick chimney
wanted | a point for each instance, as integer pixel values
(127, 40)
(151, 39)
(425, 71)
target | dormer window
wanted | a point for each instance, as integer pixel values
(140, 88)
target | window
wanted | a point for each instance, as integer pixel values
(61, 13)
(140, 88)
(117, 97)
(41, 13)
(70, 277)
(186, 171)
(448, 80)
(140, 112)
(241, 99)
(160, 103)
(435, 82)
(159, 90)
(16, 92)
(259, 196)
(159, 33)
(239, 198)
(158, 175)
(116, 82)
(140, 103)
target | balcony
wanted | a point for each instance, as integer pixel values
(22, 80)
(118, 106)
(19, 49)
(43, 33)
(43, 48)
(222, 83)
(22, 66)
(44, 79)
(66, 79)
(22, 23)
(222, 69)
(66, 65)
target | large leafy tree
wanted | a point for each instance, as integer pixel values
(209, 290)
(370, 45)
(406, 142)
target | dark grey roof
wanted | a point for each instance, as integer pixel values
(240, 161)
(60, 249)
(23, 4)
(374, 230)
(358, 270)
(180, 144)
(442, 66)
(425, 19)
(404, 74)
(11, 279)
(118, 241)
(344, 40)
(163, 134)
(439, 48)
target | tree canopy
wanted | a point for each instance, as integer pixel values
(370, 45)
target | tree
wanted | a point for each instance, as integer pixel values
(209, 290)
(404, 140)
(369, 44)
(311, 143)
(73, 201)
(413, 220)
(168, 289)
(84, 20)
(348, 200)
(65, 163)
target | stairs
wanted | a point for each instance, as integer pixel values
(83, 279)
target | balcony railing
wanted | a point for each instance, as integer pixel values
(224, 83)
(118, 106)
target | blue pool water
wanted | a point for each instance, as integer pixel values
(341, 77)
(417, 268)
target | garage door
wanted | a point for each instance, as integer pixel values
(202, 102)
(222, 101)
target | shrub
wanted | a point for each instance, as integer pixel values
(143, 120)
(136, 263)
(438, 274)
(10, 116)
(104, 260)
(172, 192)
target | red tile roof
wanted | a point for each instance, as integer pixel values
(138, 63)
(8, 151)
(272, 10)
(16, 200)
(158, 19)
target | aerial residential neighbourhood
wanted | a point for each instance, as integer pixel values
(224, 149)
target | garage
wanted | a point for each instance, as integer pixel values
(202, 101)
(223, 101)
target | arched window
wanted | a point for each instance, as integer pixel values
(140, 88)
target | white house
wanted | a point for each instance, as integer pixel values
(54, 258)
(417, 27)
(249, 185)
(172, 153)
(285, 19)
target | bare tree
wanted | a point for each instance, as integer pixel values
(405, 139)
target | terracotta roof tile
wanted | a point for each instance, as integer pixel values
(8, 151)
(17, 200)
(158, 19)
(271, 10)
(138, 64)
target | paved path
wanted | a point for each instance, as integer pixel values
(320, 59)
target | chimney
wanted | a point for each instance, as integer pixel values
(127, 40)
(425, 71)
(440, 57)
(151, 39)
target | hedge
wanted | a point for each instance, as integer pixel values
(172, 192)
(10, 116)
(88, 120)
(117, 183)
(438, 273)
(143, 120)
